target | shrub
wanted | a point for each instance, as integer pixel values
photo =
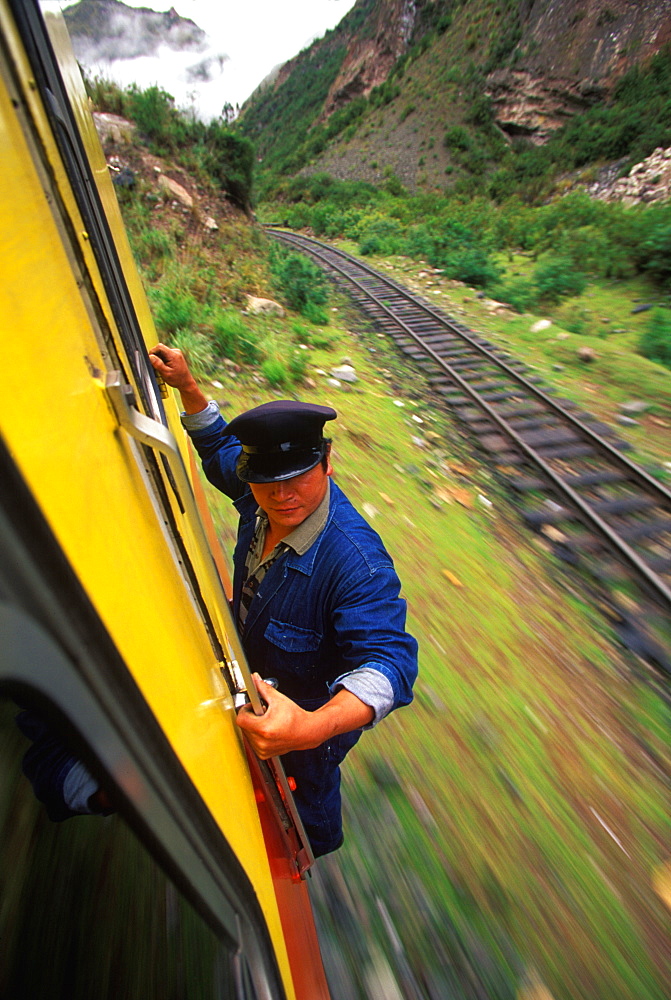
(276, 372)
(655, 341)
(655, 250)
(520, 293)
(556, 277)
(153, 244)
(174, 309)
(315, 314)
(299, 279)
(233, 337)
(382, 235)
(229, 159)
(458, 138)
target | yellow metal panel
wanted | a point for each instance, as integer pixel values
(89, 479)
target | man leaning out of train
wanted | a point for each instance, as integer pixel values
(315, 593)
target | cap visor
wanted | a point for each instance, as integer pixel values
(274, 468)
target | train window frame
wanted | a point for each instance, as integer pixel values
(33, 29)
(56, 652)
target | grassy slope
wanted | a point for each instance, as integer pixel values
(512, 819)
(515, 799)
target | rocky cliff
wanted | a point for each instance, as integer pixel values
(570, 54)
(371, 54)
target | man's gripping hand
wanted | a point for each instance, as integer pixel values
(171, 365)
(286, 726)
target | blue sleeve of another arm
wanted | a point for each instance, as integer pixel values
(369, 621)
(218, 452)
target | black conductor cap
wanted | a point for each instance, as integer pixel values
(280, 439)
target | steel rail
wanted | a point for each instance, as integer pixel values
(634, 471)
(621, 547)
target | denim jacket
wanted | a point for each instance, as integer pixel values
(316, 618)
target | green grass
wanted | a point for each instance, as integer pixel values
(506, 827)
(481, 815)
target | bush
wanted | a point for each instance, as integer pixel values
(276, 372)
(382, 236)
(174, 309)
(655, 250)
(299, 279)
(556, 277)
(520, 293)
(229, 159)
(315, 314)
(234, 338)
(655, 341)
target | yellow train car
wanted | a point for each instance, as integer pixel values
(115, 631)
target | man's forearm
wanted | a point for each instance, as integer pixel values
(193, 400)
(286, 726)
(343, 713)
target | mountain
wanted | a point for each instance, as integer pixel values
(103, 30)
(385, 91)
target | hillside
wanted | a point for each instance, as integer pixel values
(532, 737)
(379, 93)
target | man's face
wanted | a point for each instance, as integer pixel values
(290, 501)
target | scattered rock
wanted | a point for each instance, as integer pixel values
(542, 324)
(626, 421)
(649, 180)
(210, 224)
(176, 190)
(554, 534)
(634, 406)
(124, 179)
(642, 309)
(263, 307)
(564, 335)
(113, 128)
(334, 383)
(345, 373)
(369, 510)
(587, 354)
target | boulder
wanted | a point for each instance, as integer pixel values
(263, 307)
(586, 354)
(176, 190)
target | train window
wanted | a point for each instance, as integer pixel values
(86, 911)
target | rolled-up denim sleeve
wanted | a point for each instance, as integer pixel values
(371, 687)
(199, 421)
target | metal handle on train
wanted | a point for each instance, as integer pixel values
(241, 699)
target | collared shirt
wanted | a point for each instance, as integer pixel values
(300, 540)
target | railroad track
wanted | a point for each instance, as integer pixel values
(599, 510)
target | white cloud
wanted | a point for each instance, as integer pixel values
(247, 39)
